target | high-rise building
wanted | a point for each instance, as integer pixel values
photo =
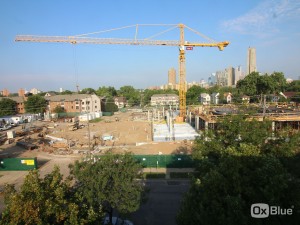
(172, 76)
(238, 74)
(212, 79)
(251, 61)
(34, 91)
(229, 76)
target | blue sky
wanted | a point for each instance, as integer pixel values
(271, 26)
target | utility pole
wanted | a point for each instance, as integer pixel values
(264, 107)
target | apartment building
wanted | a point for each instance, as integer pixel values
(20, 103)
(75, 102)
(164, 100)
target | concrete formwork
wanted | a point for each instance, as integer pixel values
(181, 131)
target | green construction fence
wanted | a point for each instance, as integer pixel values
(18, 164)
(165, 161)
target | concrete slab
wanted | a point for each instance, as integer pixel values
(180, 131)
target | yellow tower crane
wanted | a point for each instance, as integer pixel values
(182, 44)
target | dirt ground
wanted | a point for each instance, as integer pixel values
(129, 136)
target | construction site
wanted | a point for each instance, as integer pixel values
(119, 133)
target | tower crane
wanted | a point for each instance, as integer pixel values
(181, 43)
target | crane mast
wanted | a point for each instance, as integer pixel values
(181, 43)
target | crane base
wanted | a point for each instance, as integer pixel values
(179, 119)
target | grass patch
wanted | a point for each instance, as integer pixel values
(183, 175)
(154, 175)
(96, 120)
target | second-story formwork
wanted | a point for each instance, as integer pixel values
(279, 120)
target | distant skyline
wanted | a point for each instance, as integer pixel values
(272, 27)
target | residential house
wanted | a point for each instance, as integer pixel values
(215, 98)
(274, 98)
(290, 94)
(75, 103)
(164, 100)
(51, 93)
(121, 102)
(205, 98)
(245, 99)
(228, 97)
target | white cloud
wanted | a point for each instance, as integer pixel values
(263, 20)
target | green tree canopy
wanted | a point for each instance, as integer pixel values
(106, 91)
(87, 91)
(193, 93)
(35, 104)
(255, 84)
(294, 86)
(110, 105)
(239, 164)
(58, 109)
(132, 95)
(248, 85)
(110, 183)
(66, 92)
(7, 107)
(49, 200)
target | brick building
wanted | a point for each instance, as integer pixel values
(75, 102)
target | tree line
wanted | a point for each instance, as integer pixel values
(241, 163)
(252, 85)
(94, 189)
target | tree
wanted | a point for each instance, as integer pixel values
(239, 164)
(279, 81)
(66, 92)
(106, 91)
(110, 105)
(87, 91)
(49, 200)
(193, 93)
(248, 85)
(294, 86)
(110, 183)
(132, 95)
(266, 85)
(35, 104)
(59, 109)
(7, 107)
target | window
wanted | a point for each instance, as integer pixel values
(95, 107)
(77, 107)
(82, 103)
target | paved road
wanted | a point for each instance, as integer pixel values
(163, 202)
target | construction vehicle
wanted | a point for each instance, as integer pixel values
(75, 125)
(181, 43)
